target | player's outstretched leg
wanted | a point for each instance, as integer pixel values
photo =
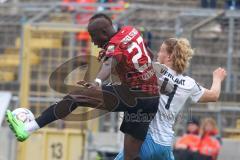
(56, 111)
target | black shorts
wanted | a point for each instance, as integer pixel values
(138, 112)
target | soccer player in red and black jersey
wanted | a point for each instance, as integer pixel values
(135, 91)
(125, 53)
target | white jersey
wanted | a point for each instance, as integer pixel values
(161, 127)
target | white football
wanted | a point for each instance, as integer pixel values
(23, 114)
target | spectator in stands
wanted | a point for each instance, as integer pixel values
(209, 146)
(186, 147)
(208, 3)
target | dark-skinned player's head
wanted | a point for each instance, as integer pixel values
(101, 29)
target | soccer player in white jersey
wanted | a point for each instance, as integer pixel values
(175, 55)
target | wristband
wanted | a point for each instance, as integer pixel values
(99, 81)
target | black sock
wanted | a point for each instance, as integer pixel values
(56, 111)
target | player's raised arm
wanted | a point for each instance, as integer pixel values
(212, 95)
(105, 70)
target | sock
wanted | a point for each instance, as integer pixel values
(60, 110)
(31, 126)
(56, 111)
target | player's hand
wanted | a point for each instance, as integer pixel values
(101, 55)
(84, 83)
(87, 84)
(219, 74)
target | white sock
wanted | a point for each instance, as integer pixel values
(31, 126)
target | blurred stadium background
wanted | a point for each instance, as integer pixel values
(36, 36)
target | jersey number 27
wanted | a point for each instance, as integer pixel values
(141, 51)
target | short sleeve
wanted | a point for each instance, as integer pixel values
(196, 93)
(113, 51)
(110, 51)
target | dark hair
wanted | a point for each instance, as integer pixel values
(100, 15)
(193, 120)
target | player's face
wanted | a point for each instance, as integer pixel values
(163, 56)
(98, 37)
(98, 30)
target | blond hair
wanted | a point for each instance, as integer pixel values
(206, 121)
(181, 51)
